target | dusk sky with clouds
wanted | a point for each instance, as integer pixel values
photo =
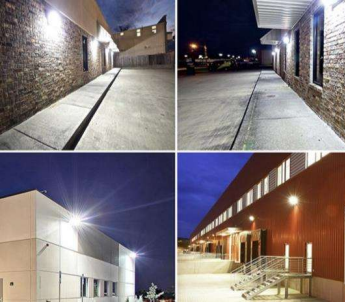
(202, 178)
(137, 13)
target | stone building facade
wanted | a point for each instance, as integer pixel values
(40, 62)
(328, 99)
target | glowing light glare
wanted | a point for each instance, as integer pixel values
(229, 56)
(286, 40)
(276, 50)
(186, 56)
(54, 19)
(329, 2)
(273, 53)
(254, 51)
(220, 54)
(75, 221)
(251, 218)
(293, 200)
(193, 46)
(133, 255)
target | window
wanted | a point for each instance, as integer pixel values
(249, 197)
(230, 212)
(96, 288)
(224, 216)
(106, 284)
(297, 52)
(313, 157)
(138, 32)
(104, 58)
(259, 190)
(239, 205)
(287, 169)
(84, 286)
(266, 185)
(220, 219)
(318, 47)
(154, 29)
(85, 55)
(114, 289)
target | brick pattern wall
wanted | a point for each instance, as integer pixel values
(40, 65)
(328, 102)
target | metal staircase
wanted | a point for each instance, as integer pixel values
(266, 272)
(277, 279)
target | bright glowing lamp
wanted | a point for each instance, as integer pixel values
(133, 255)
(286, 39)
(276, 49)
(329, 2)
(273, 53)
(54, 19)
(251, 218)
(293, 200)
(254, 51)
(75, 221)
(193, 46)
(220, 54)
(229, 56)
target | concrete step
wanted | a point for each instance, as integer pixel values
(58, 126)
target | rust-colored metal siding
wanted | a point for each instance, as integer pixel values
(318, 218)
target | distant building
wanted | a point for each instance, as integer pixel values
(148, 40)
(47, 254)
(183, 243)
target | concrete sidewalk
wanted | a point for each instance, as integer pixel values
(248, 111)
(211, 107)
(57, 127)
(216, 287)
(278, 119)
(138, 113)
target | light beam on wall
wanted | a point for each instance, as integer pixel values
(54, 19)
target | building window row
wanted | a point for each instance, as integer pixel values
(84, 292)
(261, 189)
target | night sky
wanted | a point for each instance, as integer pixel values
(132, 196)
(226, 26)
(137, 13)
(202, 178)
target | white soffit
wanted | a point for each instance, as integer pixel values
(280, 14)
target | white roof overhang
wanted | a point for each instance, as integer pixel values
(280, 14)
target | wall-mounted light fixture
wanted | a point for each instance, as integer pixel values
(293, 200)
(286, 39)
(54, 19)
(330, 2)
(133, 255)
(75, 221)
(251, 218)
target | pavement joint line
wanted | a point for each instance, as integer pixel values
(75, 139)
(245, 112)
(34, 139)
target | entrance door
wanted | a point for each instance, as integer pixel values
(243, 252)
(255, 250)
(1, 290)
(309, 257)
(287, 255)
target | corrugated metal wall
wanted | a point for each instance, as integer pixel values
(318, 218)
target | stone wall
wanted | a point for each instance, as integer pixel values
(40, 64)
(327, 101)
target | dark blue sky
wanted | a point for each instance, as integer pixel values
(133, 194)
(137, 13)
(202, 178)
(226, 26)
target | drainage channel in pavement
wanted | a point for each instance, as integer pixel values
(60, 126)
